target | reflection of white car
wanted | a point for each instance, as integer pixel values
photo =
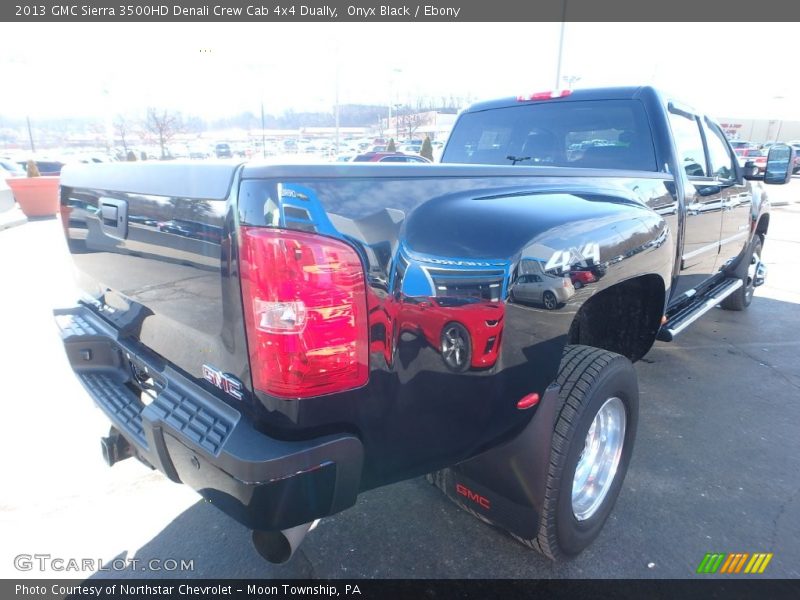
(548, 290)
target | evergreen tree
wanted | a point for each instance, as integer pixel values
(427, 149)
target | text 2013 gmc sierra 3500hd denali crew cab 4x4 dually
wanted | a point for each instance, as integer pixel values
(283, 337)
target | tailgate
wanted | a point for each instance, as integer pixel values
(151, 243)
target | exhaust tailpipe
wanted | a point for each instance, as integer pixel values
(278, 547)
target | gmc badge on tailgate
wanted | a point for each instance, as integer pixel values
(227, 383)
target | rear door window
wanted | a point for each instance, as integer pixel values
(689, 144)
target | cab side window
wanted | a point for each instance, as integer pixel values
(719, 154)
(689, 144)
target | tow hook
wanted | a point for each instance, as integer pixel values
(761, 274)
(115, 448)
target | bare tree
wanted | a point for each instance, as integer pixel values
(163, 125)
(121, 130)
(413, 122)
(409, 121)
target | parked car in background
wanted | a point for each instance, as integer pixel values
(796, 166)
(581, 278)
(393, 157)
(411, 148)
(46, 167)
(6, 196)
(548, 290)
(223, 150)
(741, 147)
(9, 168)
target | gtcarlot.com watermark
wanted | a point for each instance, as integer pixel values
(48, 562)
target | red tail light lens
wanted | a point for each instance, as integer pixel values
(305, 310)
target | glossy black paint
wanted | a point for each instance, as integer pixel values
(431, 241)
(469, 230)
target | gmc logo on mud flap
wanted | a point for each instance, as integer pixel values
(470, 495)
(227, 383)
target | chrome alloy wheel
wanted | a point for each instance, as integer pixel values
(599, 460)
(756, 273)
(455, 346)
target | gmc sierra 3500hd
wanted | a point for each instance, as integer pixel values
(284, 337)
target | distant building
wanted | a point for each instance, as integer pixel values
(435, 124)
(760, 130)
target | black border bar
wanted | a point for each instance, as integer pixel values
(282, 11)
(393, 589)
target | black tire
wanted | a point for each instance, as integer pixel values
(549, 300)
(456, 347)
(741, 298)
(578, 284)
(589, 378)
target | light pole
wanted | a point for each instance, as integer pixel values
(397, 108)
(336, 102)
(257, 69)
(263, 125)
(561, 43)
(391, 97)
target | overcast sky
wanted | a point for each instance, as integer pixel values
(210, 70)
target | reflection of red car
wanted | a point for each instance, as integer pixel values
(390, 157)
(581, 278)
(466, 331)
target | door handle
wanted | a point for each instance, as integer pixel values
(114, 214)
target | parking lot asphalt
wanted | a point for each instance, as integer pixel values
(715, 468)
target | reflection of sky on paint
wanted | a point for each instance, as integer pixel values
(609, 231)
(361, 196)
(212, 70)
(595, 219)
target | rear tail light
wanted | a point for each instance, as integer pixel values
(305, 310)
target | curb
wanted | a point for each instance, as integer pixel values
(12, 217)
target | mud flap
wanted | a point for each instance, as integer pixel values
(505, 486)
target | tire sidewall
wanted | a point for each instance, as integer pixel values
(617, 379)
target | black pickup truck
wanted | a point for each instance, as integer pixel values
(322, 330)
